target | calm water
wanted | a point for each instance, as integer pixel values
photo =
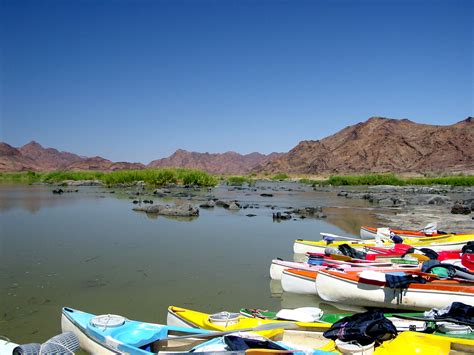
(89, 250)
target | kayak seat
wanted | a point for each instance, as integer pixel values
(139, 337)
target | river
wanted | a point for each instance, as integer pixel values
(88, 250)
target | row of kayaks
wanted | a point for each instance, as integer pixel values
(444, 242)
(415, 271)
(305, 330)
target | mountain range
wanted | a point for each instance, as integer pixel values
(376, 145)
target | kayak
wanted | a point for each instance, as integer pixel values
(304, 281)
(437, 243)
(413, 343)
(308, 334)
(369, 289)
(112, 334)
(371, 232)
(289, 314)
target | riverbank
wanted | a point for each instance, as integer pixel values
(181, 176)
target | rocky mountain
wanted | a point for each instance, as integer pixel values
(221, 163)
(383, 145)
(101, 164)
(11, 159)
(48, 158)
(34, 157)
(376, 145)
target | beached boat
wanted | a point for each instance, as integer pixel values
(369, 289)
(307, 334)
(438, 243)
(304, 281)
(278, 266)
(112, 334)
(367, 232)
(413, 343)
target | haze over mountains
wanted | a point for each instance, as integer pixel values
(376, 145)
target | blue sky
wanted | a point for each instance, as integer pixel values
(136, 80)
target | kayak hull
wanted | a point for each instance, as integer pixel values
(448, 242)
(348, 288)
(299, 281)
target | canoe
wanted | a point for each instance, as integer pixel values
(350, 287)
(298, 281)
(277, 266)
(371, 232)
(400, 324)
(304, 281)
(111, 334)
(438, 243)
(413, 343)
(307, 335)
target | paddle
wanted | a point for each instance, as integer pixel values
(445, 319)
(340, 237)
(268, 326)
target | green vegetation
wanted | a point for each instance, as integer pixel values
(308, 181)
(392, 179)
(238, 180)
(164, 176)
(152, 177)
(280, 177)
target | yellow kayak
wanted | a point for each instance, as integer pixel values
(437, 243)
(412, 343)
(307, 334)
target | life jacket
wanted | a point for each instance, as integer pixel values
(364, 328)
(347, 250)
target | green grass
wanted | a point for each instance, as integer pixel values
(152, 177)
(392, 179)
(238, 180)
(280, 177)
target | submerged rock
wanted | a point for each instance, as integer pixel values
(82, 183)
(186, 210)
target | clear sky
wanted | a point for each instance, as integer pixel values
(136, 80)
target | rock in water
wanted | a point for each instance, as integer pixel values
(233, 206)
(208, 204)
(186, 210)
(459, 208)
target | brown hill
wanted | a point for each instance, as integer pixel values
(224, 163)
(101, 164)
(11, 159)
(383, 145)
(33, 157)
(48, 158)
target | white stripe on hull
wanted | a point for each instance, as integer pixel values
(301, 248)
(85, 342)
(339, 290)
(298, 284)
(365, 234)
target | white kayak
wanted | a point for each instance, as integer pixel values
(369, 289)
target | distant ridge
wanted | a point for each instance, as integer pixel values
(383, 145)
(377, 145)
(220, 163)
